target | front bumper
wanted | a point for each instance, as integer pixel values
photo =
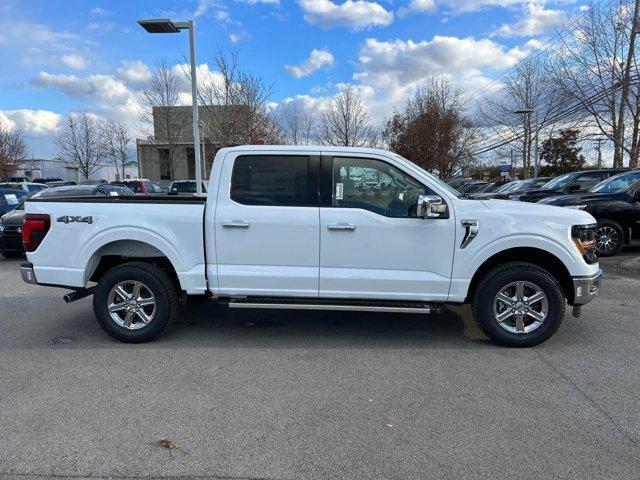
(586, 288)
(28, 275)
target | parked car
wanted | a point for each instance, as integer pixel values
(457, 182)
(139, 186)
(505, 191)
(164, 185)
(91, 182)
(573, 182)
(11, 222)
(472, 187)
(10, 198)
(185, 187)
(61, 183)
(29, 187)
(615, 204)
(18, 179)
(47, 180)
(286, 229)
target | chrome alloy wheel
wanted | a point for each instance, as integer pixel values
(520, 307)
(131, 304)
(606, 239)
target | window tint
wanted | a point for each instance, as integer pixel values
(376, 186)
(271, 180)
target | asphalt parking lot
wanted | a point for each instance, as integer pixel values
(307, 395)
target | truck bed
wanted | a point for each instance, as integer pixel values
(85, 229)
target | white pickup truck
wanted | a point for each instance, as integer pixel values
(327, 228)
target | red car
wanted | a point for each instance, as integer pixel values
(140, 186)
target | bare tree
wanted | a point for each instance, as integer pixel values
(236, 104)
(297, 123)
(345, 121)
(160, 99)
(117, 143)
(527, 87)
(12, 149)
(80, 144)
(598, 67)
(433, 131)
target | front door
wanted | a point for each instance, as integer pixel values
(372, 245)
(266, 225)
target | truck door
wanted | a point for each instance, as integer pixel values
(267, 224)
(372, 245)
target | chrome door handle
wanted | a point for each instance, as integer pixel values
(342, 227)
(235, 224)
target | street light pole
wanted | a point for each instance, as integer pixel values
(168, 26)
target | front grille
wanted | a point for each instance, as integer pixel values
(11, 231)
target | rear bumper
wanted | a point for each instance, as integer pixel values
(586, 288)
(27, 273)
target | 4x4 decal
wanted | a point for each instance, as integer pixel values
(74, 219)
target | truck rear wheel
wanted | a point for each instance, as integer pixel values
(135, 302)
(518, 304)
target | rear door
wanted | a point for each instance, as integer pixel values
(267, 224)
(372, 245)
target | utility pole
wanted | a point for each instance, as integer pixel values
(626, 80)
(600, 140)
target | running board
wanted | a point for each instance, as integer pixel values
(334, 305)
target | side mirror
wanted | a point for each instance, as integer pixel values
(573, 188)
(431, 206)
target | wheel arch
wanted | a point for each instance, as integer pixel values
(535, 256)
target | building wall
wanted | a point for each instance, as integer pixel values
(151, 165)
(52, 168)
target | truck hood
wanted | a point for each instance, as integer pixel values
(538, 212)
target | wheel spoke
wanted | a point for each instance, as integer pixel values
(116, 307)
(143, 315)
(136, 290)
(127, 320)
(502, 316)
(144, 302)
(539, 316)
(519, 323)
(536, 297)
(122, 292)
(519, 290)
(506, 299)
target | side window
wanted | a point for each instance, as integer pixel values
(376, 186)
(276, 180)
(588, 180)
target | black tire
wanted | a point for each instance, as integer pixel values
(11, 254)
(155, 281)
(495, 280)
(613, 232)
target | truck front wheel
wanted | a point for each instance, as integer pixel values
(134, 302)
(518, 304)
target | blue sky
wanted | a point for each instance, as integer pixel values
(62, 56)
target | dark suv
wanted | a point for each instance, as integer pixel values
(568, 183)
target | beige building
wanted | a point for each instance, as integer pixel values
(170, 154)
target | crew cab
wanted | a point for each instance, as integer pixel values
(567, 183)
(615, 204)
(288, 228)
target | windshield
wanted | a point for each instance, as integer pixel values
(560, 181)
(618, 182)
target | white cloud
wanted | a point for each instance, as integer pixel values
(134, 72)
(74, 61)
(464, 6)
(239, 37)
(254, 2)
(354, 14)
(535, 20)
(100, 11)
(317, 60)
(32, 122)
(418, 6)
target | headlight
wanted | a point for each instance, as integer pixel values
(515, 196)
(576, 207)
(19, 229)
(584, 238)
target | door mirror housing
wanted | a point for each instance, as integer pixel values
(431, 206)
(573, 188)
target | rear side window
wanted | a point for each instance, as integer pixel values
(276, 180)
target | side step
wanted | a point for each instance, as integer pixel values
(332, 304)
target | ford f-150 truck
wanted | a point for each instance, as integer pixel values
(302, 228)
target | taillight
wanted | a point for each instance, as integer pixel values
(34, 228)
